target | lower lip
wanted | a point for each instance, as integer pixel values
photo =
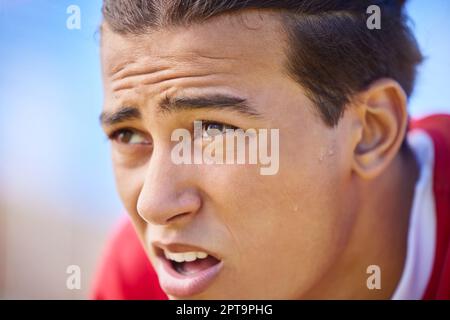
(181, 285)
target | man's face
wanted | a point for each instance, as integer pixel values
(276, 236)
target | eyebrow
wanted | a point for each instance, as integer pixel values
(177, 104)
(123, 114)
(215, 101)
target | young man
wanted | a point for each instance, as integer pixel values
(357, 208)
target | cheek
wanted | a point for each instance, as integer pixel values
(288, 225)
(291, 236)
(129, 183)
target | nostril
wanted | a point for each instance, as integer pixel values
(178, 217)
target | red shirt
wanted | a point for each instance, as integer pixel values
(438, 127)
(126, 273)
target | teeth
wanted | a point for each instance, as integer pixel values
(190, 256)
(185, 256)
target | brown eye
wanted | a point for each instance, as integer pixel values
(128, 136)
(211, 129)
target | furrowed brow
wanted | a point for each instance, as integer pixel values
(121, 115)
(216, 101)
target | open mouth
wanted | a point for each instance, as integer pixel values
(188, 263)
(186, 273)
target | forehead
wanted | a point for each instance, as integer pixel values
(245, 41)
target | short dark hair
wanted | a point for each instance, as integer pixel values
(332, 53)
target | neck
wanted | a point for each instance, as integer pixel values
(379, 235)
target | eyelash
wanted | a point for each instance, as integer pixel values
(115, 134)
(207, 122)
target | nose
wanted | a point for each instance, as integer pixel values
(168, 194)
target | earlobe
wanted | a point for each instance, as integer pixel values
(383, 118)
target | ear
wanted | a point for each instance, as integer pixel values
(382, 112)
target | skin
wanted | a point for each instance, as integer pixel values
(339, 202)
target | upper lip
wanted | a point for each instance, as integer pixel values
(178, 247)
